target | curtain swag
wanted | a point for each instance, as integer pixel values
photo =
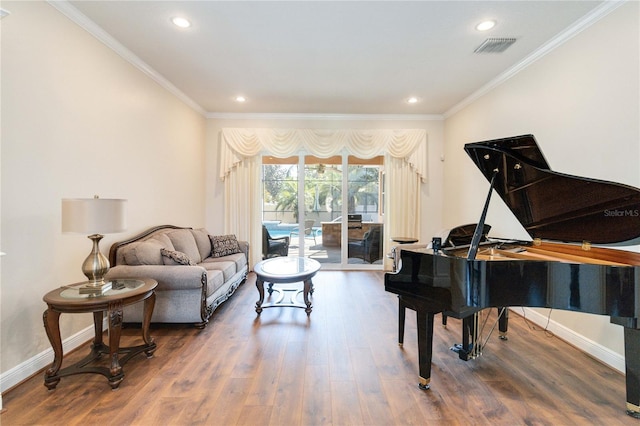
(407, 144)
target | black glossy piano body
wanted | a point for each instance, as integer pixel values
(572, 276)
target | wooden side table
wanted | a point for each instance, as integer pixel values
(68, 299)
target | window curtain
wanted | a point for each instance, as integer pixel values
(402, 200)
(405, 152)
(243, 205)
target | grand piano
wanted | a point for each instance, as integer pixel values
(559, 268)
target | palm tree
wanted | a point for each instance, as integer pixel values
(329, 190)
(362, 187)
(287, 198)
(323, 187)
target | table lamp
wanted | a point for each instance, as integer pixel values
(94, 216)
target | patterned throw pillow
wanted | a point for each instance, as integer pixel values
(171, 257)
(223, 245)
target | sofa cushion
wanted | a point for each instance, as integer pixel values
(182, 240)
(143, 253)
(202, 241)
(163, 239)
(223, 245)
(238, 258)
(172, 257)
(215, 280)
(227, 268)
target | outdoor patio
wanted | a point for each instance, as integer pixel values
(315, 250)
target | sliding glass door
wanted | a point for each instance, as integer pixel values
(322, 212)
(365, 218)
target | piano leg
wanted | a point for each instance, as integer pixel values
(632, 366)
(503, 322)
(402, 307)
(425, 346)
(465, 350)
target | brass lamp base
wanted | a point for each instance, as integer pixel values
(95, 266)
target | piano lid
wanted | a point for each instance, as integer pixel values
(557, 206)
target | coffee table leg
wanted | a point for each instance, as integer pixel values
(308, 287)
(149, 304)
(260, 285)
(115, 329)
(51, 320)
(97, 328)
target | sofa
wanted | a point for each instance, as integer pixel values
(196, 272)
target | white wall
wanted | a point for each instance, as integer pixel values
(431, 191)
(78, 120)
(582, 103)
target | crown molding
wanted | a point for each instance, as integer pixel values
(67, 9)
(64, 7)
(337, 117)
(94, 29)
(586, 21)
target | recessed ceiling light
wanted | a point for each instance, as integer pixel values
(181, 22)
(485, 25)
(241, 99)
(412, 100)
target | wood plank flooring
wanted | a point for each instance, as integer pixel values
(340, 366)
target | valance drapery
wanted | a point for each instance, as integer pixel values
(408, 144)
(406, 160)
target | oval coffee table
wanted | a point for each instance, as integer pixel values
(285, 270)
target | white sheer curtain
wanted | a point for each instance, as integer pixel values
(402, 202)
(405, 152)
(243, 205)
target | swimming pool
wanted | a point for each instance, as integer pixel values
(282, 229)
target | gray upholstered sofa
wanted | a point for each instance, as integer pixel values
(194, 270)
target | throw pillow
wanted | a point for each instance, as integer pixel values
(223, 245)
(171, 257)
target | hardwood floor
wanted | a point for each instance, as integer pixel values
(340, 366)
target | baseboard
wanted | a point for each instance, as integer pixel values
(593, 349)
(25, 370)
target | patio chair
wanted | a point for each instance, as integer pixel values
(274, 246)
(308, 230)
(369, 248)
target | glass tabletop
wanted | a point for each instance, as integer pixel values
(288, 265)
(118, 287)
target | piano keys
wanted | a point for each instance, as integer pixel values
(559, 268)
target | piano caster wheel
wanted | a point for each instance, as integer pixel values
(633, 414)
(633, 410)
(423, 384)
(505, 337)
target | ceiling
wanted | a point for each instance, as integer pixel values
(329, 57)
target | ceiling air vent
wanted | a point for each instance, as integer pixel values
(495, 45)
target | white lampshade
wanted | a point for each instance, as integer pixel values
(93, 215)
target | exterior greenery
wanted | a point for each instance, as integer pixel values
(322, 192)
